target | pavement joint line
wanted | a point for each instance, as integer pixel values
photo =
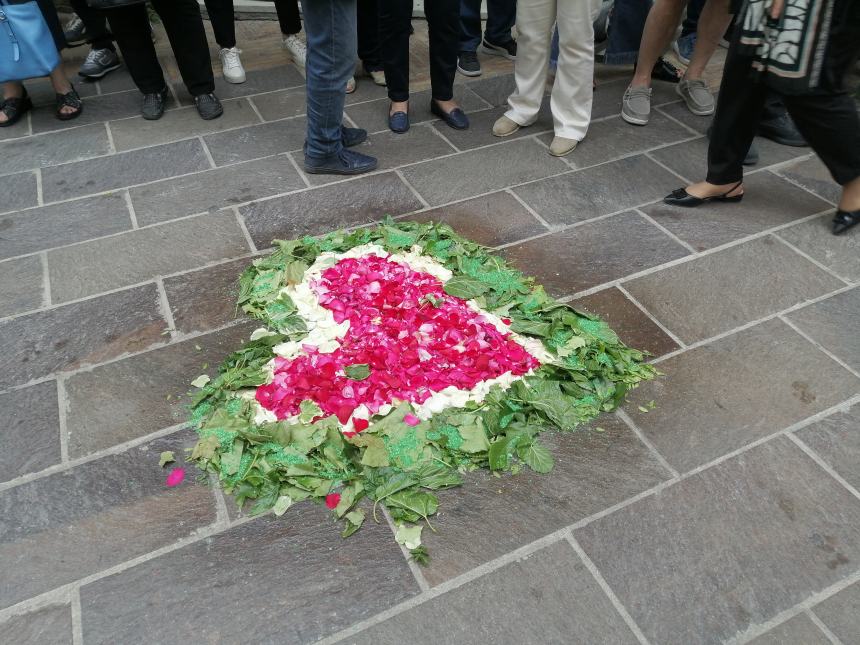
(754, 631)
(126, 195)
(62, 411)
(40, 197)
(824, 628)
(559, 229)
(778, 172)
(164, 305)
(677, 121)
(255, 109)
(46, 280)
(667, 168)
(207, 152)
(420, 580)
(299, 170)
(531, 211)
(621, 414)
(823, 464)
(222, 516)
(75, 605)
(808, 257)
(604, 586)
(429, 126)
(653, 318)
(412, 189)
(240, 221)
(347, 118)
(111, 144)
(442, 136)
(444, 587)
(819, 346)
(683, 243)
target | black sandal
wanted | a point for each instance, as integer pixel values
(681, 197)
(15, 108)
(72, 100)
(843, 220)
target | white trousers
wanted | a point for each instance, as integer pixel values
(572, 92)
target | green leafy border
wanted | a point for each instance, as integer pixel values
(392, 463)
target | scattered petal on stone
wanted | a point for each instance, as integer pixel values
(332, 500)
(175, 477)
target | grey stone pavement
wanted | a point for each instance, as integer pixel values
(728, 513)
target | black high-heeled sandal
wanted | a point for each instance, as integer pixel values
(15, 108)
(843, 220)
(72, 100)
(684, 199)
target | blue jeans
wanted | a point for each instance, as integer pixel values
(501, 16)
(553, 51)
(625, 31)
(330, 26)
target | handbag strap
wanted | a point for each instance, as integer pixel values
(4, 20)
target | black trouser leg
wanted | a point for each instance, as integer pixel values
(96, 24)
(443, 21)
(739, 109)
(184, 26)
(130, 27)
(223, 21)
(288, 16)
(831, 125)
(369, 50)
(395, 19)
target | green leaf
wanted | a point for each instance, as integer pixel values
(415, 501)
(474, 437)
(570, 346)
(166, 458)
(547, 397)
(230, 461)
(294, 272)
(396, 483)
(408, 536)
(420, 555)
(205, 448)
(375, 454)
(531, 327)
(354, 520)
(538, 458)
(357, 372)
(461, 286)
(308, 411)
(282, 504)
(201, 380)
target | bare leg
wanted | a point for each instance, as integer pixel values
(663, 20)
(11, 90)
(398, 106)
(447, 106)
(850, 201)
(61, 85)
(713, 23)
(704, 189)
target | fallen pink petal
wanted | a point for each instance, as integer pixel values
(175, 477)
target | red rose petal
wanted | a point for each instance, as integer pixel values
(332, 500)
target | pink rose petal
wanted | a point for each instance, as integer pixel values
(175, 477)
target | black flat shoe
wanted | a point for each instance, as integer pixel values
(153, 105)
(456, 118)
(398, 122)
(208, 106)
(15, 108)
(843, 220)
(684, 199)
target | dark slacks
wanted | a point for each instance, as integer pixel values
(828, 120)
(96, 24)
(369, 47)
(223, 19)
(443, 21)
(184, 26)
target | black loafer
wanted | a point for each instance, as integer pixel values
(398, 122)
(153, 105)
(345, 162)
(843, 220)
(352, 136)
(456, 118)
(684, 199)
(208, 106)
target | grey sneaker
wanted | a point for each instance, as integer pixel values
(98, 63)
(697, 96)
(75, 32)
(636, 105)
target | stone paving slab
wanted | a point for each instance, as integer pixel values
(393, 150)
(142, 394)
(610, 249)
(49, 626)
(137, 256)
(830, 323)
(30, 433)
(96, 515)
(800, 630)
(557, 602)
(255, 141)
(836, 440)
(53, 149)
(19, 191)
(682, 296)
(275, 582)
(775, 532)
(282, 104)
(83, 333)
(841, 613)
(263, 80)
(21, 286)
(480, 131)
(719, 397)
(118, 105)
(812, 175)
(46, 227)
(839, 254)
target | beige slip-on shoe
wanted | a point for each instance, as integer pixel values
(505, 127)
(561, 146)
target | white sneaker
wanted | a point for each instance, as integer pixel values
(231, 65)
(298, 50)
(350, 85)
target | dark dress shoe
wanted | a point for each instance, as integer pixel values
(781, 129)
(684, 199)
(345, 162)
(153, 105)
(208, 106)
(352, 136)
(456, 118)
(398, 122)
(843, 220)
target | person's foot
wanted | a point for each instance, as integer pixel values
(154, 105)
(352, 136)
(506, 49)
(98, 63)
(345, 162)
(231, 65)
(378, 76)
(781, 129)
(697, 96)
(13, 108)
(69, 104)
(208, 106)
(298, 50)
(450, 113)
(505, 127)
(75, 32)
(561, 146)
(844, 220)
(468, 64)
(704, 192)
(683, 48)
(350, 85)
(636, 105)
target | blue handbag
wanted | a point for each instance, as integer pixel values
(27, 48)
